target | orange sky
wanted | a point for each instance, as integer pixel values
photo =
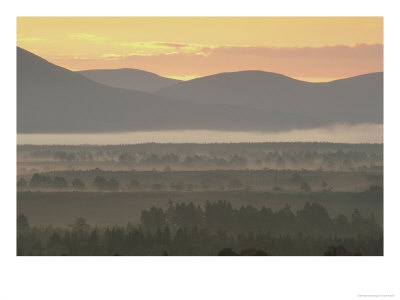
(308, 48)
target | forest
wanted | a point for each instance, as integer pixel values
(200, 199)
(216, 229)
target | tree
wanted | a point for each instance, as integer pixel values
(153, 219)
(71, 156)
(235, 184)
(104, 185)
(101, 183)
(218, 215)
(316, 217)
(80, 224)
(179, 186)
(21, 184)
(113, 185)
(326, 187)
(22, 222)
(60, 183)
(77, 184)
(126, 157)
(40, 181)
(280, 162)
(296, 178)
(187, 215)
(134, 184)
(305, 187)
(61, 155)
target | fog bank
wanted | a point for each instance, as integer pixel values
(338, 133)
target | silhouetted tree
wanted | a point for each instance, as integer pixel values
(113, 185)
(103, 184)
(134, 184)
(22, 222)
(80, 224)
(60, 183)
(77, 184)
(40, 181)
(153, 219)
(305, 187)
(60, 155)
(235, 184)
(21, 184)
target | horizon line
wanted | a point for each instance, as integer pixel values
(192, 77)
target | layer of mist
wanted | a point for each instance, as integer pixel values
(338, 133)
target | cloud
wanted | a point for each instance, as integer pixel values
(261, 54)
(329, 62)
(86, 37)
(173, 45)
(304, 52)
(164, 48)
(111, 55)
(185, 60)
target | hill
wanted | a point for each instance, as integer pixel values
(355, 100)
(131, 79)
(51, 99)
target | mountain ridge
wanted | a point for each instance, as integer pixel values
(52, 99)
(355, 99)
(129, 78)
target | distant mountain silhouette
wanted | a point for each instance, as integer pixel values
(355, 100)
(51, 99)
(131, 79)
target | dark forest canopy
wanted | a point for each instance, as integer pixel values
(216, 229)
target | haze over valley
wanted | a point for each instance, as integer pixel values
(119, 154)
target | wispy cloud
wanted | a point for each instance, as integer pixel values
(304, 52)
(181, 60)
(111, 55)
(164, 48)
(86, 37)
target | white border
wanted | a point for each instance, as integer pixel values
(198, 278)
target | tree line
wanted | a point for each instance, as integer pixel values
(41, 181)
(216, 229)
(280, 156)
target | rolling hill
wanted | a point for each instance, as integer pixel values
(51, 99)
(131, 79)
(355, 100)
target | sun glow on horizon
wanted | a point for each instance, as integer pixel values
(315, 49)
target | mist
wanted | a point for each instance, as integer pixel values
(337, 133)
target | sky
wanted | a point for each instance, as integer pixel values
(306, 48)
